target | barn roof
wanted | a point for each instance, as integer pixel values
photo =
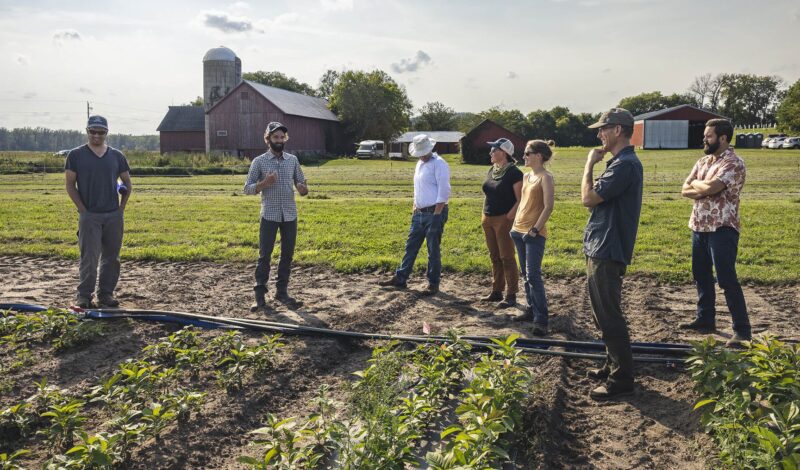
(489, 122)
(699, 112)
(438, 136)
(296, 104)
(183, 118)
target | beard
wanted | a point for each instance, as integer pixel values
(278, 147)
(708, 149)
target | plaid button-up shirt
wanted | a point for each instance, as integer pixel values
(277, 199)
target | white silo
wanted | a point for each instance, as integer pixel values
(222, 71)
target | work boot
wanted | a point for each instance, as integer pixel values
(260, 303)
(393, 282)
(539, 329)
(610, 391)
(737, 341)
(509, 301)
(107, 302)
(432, 289)
(598, 374)
(493, 296)
(700, 326)
(527, 316)
(283, 297)
(84, 302)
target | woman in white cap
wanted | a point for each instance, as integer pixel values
(502, 188)
(530, 230)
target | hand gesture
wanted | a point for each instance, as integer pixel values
(595, 156)
(268, 180)
(302, 188)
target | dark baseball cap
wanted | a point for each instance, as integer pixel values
(614, 116)
(97, 121)
(276, 126)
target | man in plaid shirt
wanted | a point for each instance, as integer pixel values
(275, 174)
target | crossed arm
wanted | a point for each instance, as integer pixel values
(698, 189)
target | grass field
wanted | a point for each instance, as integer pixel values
(357, 215)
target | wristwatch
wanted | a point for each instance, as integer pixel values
(535, 230)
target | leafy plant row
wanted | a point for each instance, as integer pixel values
(751, 401)
(143, 396)
(396, 402)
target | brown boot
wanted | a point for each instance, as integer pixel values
(493, 296)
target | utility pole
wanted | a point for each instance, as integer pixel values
(88, 110)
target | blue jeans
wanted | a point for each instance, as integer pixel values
(717, 250)
(530, 251)
(428, 227)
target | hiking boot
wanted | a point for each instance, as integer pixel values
(393, 282)
(527, 316)
(609, 391)
(432, 289)
(700, 326)
(84, 302)
(539, 329)
(283, 297)
(493, 296)
(260, 303)
(598, 374)
(107, 302)
(737, 341)
(509, 301)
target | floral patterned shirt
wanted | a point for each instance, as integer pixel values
(721, 209)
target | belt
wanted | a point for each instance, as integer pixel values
(427, 210)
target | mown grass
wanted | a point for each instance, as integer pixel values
(357, 217)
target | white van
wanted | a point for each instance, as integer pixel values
(370, 149)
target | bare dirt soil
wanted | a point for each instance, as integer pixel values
(654, 428)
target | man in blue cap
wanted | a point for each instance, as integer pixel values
(91, 173)
(275, 174)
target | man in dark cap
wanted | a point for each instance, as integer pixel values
(275, 174)
(615, 202)
(91, 172)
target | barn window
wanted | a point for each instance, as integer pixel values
(245, 95)
(222, 133)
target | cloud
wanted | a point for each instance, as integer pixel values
(411, 65)
(226, 23)
(606, 70)
(511, 75)
(337, 5)
(63, 36)
(29, 95)
(85, 91)
(22, 60)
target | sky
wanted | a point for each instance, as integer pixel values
(131, 60)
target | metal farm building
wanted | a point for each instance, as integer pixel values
(679, 127)
(446, 142)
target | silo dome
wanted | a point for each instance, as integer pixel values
(220, 53)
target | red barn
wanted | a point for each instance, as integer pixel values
(474, 148)
(183, 130)
(678, 127)
(235, 124)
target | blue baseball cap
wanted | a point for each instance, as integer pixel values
(97, 121)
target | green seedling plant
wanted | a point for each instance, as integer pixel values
(185, 402)
(10, 461)
(158, 416)
(99, 451)
(65, 419)
(16, 421)
(241, 360)
(749, 401)
(286, 446)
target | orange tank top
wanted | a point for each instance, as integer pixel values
(530, 206)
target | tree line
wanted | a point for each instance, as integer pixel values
(49, 140)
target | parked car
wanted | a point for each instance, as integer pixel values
(765, 142)
(777, 142)
(791, 143)
(370, 149)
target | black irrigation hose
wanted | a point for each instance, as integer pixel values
(535, 346)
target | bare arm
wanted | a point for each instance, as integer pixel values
(589, 196)
(517, 194)
(125, 176)
(548, 193)
(708, 188)
(688, 191)
(72, 190)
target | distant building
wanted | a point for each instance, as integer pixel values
(678, 127)
(446, 142)
(474, 148)
(183, 129)
(236, 112)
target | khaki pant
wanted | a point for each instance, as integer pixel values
(100, 241)
(505, 273)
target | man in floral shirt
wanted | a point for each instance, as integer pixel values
(715, 184)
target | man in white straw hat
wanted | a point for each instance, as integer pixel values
(431, 192)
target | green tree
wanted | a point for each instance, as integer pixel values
(435, 116)
(788, 114)
(371, 105)
(511, 119)
(196, 102)
(465, 121)
(327, 83)
(749, 99)
(654, 101)
(279, 80)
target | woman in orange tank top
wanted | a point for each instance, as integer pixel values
(529, 231)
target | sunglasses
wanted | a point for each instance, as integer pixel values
(529, 153)
(93, 132)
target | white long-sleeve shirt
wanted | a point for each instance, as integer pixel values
(431, 182)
